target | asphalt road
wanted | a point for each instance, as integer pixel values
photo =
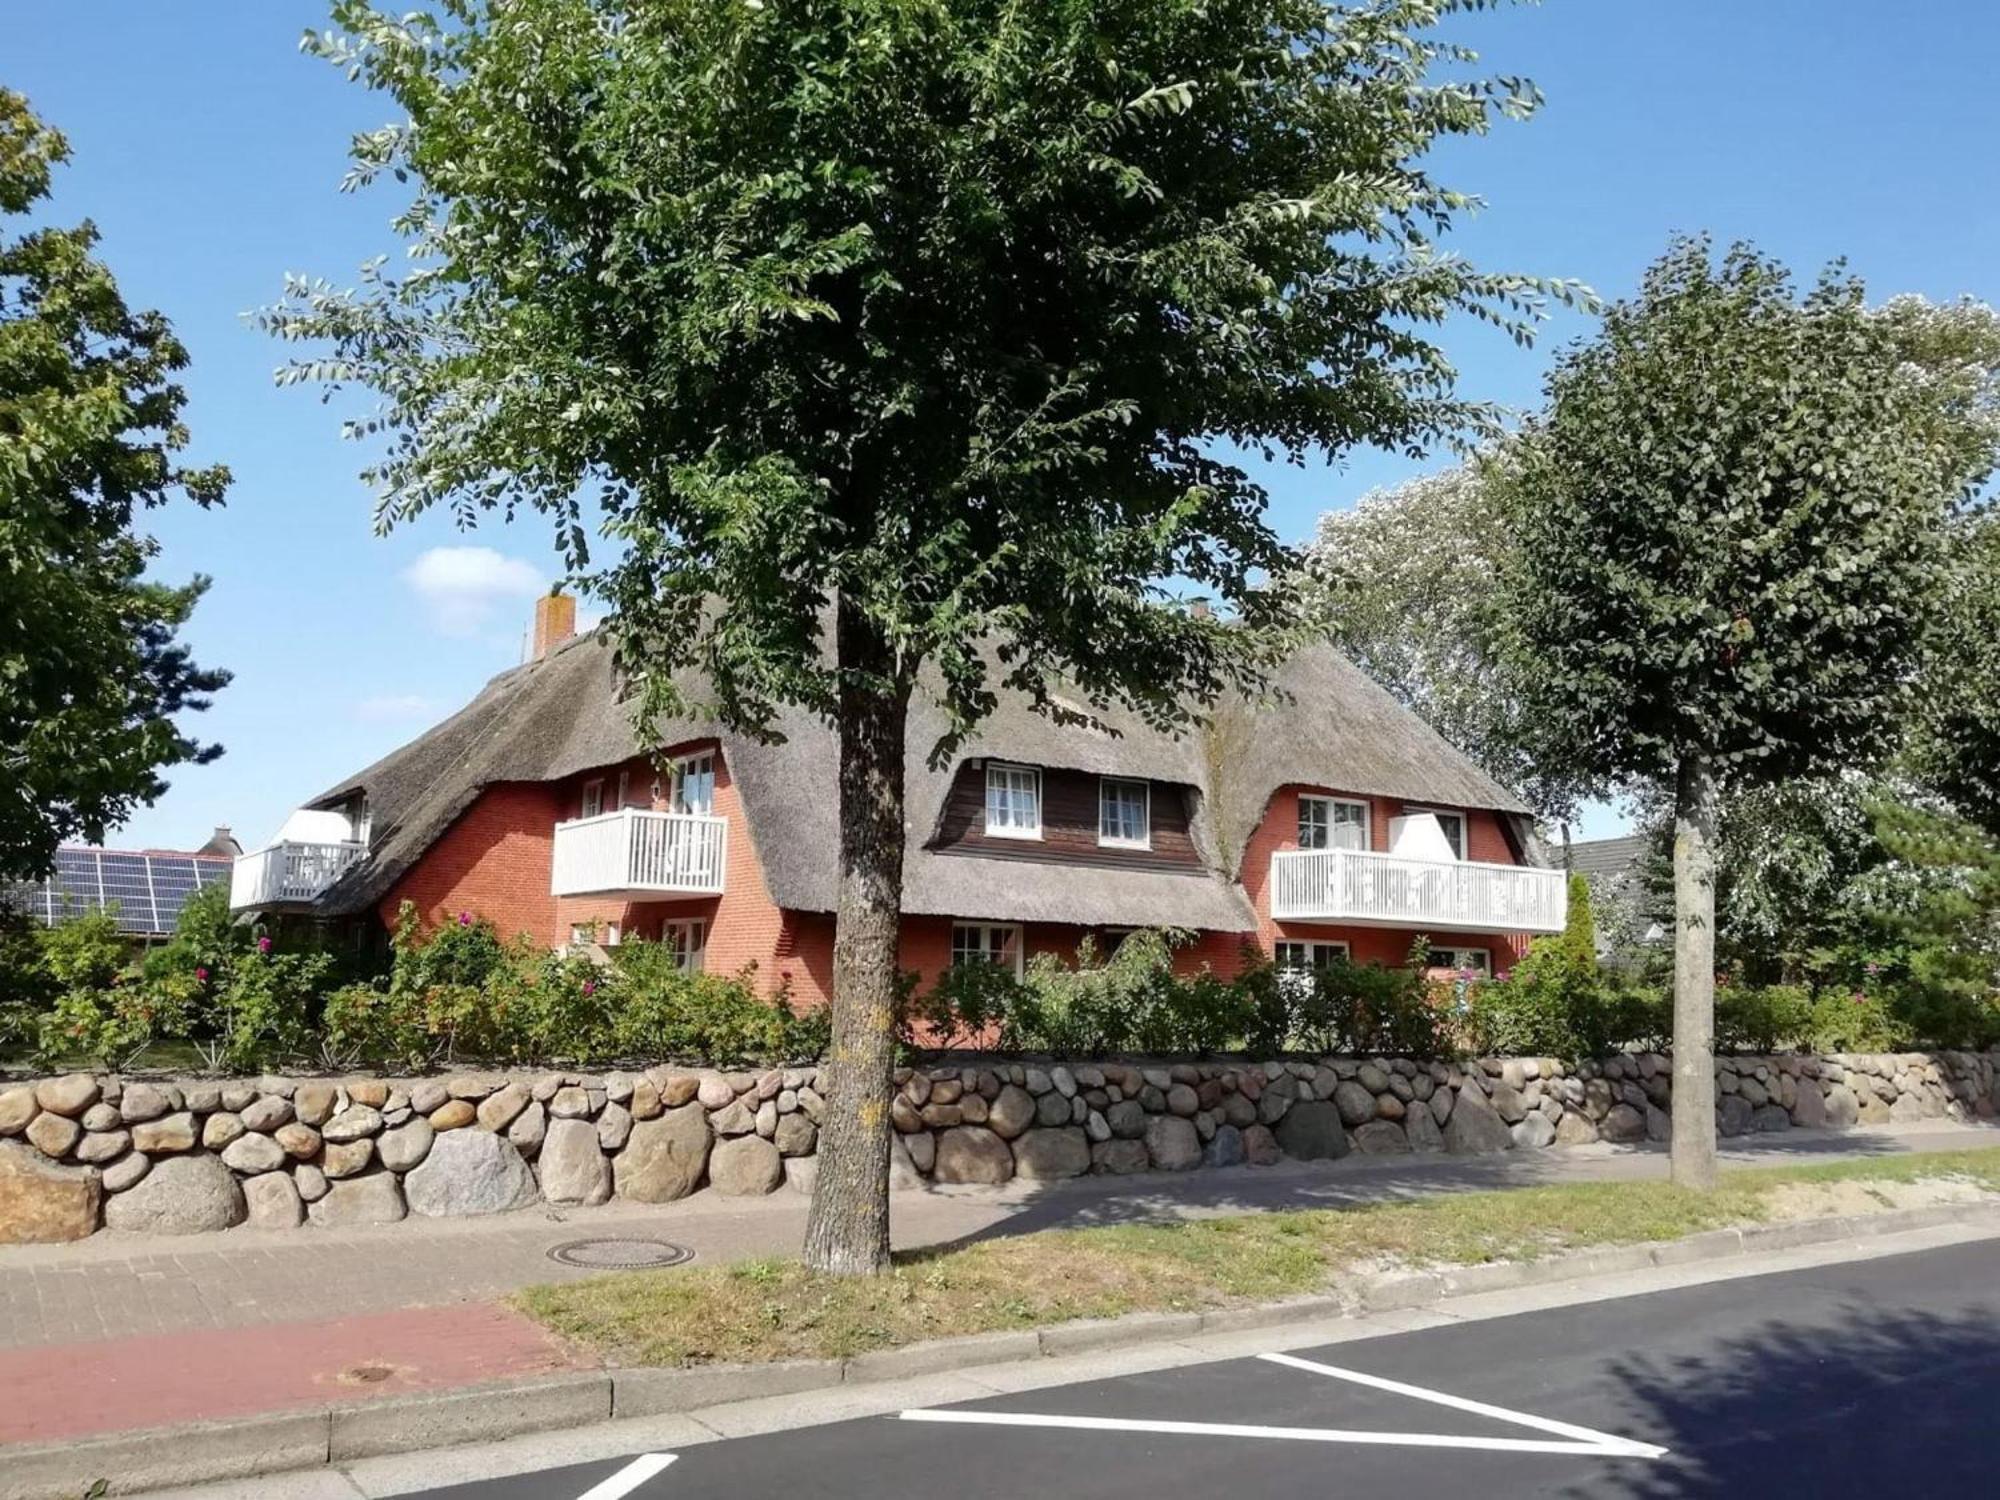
(1860, 1379)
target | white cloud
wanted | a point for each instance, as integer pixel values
(394, 708)
(464, 588)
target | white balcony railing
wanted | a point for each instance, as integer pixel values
(1390, 890)
(637, 852)
(288, 872)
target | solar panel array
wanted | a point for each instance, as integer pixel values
(144, 891)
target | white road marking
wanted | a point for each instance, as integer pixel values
(629, 1478)
(1627, 1446)
(1293, 1434)
(1565, 1437)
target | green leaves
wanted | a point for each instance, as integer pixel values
(1730, 524)
(91, 672)
(942, 309)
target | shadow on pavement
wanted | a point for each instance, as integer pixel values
(1165, 1197)
(1890, 1400)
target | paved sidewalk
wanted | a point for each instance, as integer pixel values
(127, 1331)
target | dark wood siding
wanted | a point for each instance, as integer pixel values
(1069, 824)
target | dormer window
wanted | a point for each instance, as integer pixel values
(1013, 801)
(1332, 823)
(1124, 813)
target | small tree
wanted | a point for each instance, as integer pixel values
(91, 674)
(1958, 742)
(1728, 532)
(890, 343)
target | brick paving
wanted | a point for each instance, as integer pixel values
(130, 1331)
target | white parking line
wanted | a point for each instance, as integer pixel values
(629, 1478)
(1565, 1437)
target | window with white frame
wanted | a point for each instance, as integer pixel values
(1332, 823)
(1124, 813)
(689, 941)
(593, 798)
(694, 784)
(1452, 823)
(986, 943)
(624, 787)
(1299, 957)
(1013, 801)
(1474, 961)
(583, 934)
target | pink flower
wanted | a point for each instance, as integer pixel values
(201, 976)
(1872, 968)
(465, 919)
(263, 945)
(1858, 998)
(590, 986)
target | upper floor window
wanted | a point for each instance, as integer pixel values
(694, 784)
(1125, 813)
(1332, 823)
(1013, 801)
(593, 798)
(1452, 823)
(986, 943)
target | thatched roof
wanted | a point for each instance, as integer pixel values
(552, 719)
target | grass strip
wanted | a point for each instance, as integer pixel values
(772, 1309)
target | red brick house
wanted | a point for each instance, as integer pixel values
(1325, 820)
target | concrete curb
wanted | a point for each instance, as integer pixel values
(282, 1442)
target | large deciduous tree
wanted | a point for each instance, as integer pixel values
(1408, 582)
(921, 316)
(1729, 544)
(91, 672)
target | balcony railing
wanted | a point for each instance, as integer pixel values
(287, 872)
(1389, 890)
(634, 852)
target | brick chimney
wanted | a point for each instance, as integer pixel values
(555, 622)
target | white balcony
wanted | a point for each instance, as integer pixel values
(1367, 889)
(288, 873)
(634, 854)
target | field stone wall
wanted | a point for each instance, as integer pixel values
(91, 1150)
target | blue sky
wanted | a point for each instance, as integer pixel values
(208, 152)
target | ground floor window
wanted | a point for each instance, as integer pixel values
(689, 941)
(1475, 961)
(986, 943)
(583, 934)
(1301, 956)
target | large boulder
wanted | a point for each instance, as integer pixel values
(572, 1166)
(1623, 1125)
(273, 1201)
(1474, 1128)
(665, 1157)
(1533, 1132)
(181, 1195)
(468, 1173)
(1173, 1143)
(1421, 1131)
(972, 1153)
(746, 1167)
(1381, 1137)
(42, 1203)
(1355, 1104)
(1224, 1148)
(1809, 1109)
(1011, 1113)
(1119, 1157)
(1312, 1131)
(376, 1198)
(1048, 1154)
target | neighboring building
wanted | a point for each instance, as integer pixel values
(1332, 821)
(143, 888)
(1616, 870)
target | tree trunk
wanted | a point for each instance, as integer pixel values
(1694, 976)
(847, 1232)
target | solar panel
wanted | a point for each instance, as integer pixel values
(147, 891)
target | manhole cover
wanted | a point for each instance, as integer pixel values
(621, 1255)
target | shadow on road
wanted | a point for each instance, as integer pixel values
(1889, 1401)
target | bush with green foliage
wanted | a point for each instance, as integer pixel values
(1369, 1009)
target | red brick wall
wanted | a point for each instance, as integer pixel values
(493, 862)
